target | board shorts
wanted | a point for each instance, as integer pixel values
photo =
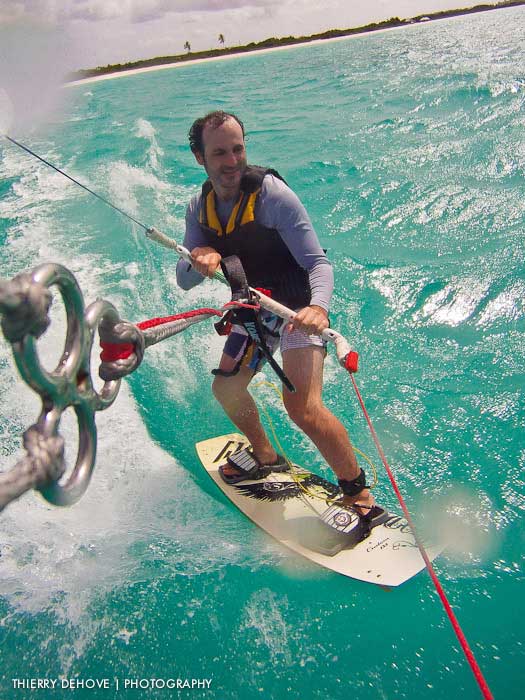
(241, 348)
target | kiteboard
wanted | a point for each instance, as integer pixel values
(289, 505)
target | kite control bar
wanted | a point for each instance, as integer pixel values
(346, 356)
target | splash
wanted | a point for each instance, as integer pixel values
(145, 130)
(33, 66)
(125, 181)
(6, 112)
(464, 522)
(265, 616)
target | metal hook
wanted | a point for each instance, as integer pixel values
(70, 383)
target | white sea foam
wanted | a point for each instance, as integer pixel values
(508, 305)
(265, 614)
(125, 181)
(453, 304)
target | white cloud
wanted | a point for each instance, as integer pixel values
(54, 11)
(119, 31)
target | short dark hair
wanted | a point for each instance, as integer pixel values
(213, 120)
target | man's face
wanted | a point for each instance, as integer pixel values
(224, 157)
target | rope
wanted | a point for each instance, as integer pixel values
(84, 187)
(151, 232)
(441, 593)
(43, 465)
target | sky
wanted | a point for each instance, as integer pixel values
(77, 34)
(43, 41)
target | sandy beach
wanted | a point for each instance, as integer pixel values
(287, 47)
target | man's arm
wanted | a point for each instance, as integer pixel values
(281, 209)
(206, 259)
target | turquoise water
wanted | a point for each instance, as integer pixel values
(407, 148)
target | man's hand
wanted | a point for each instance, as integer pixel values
(311, 320)
(205, 260)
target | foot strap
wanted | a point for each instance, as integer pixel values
(353, 486)
(223, 373)
(249, 468)
(246, 462)
(354, 526)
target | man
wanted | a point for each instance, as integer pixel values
(252, 213)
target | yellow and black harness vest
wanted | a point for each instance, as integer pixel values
(266, 259)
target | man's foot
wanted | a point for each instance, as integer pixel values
(244, 465)
(353, 521)
(266, 459)
(363, 502)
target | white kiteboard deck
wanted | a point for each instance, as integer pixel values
(288, 507)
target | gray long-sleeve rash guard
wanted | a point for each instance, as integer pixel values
(279, 208)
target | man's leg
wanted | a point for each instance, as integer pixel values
(232, 393)
(304, 368)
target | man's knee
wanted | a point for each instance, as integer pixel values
(222, 387)
(304, 415)
(227, 386)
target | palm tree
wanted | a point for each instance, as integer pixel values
(221, 39)
(187, 46)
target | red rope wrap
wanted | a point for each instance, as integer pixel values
(121, 351)
(152, 322)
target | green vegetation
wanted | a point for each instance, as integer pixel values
(283, 41)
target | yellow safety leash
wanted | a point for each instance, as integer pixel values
(297, 472)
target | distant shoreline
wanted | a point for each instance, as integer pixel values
(116, 70)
